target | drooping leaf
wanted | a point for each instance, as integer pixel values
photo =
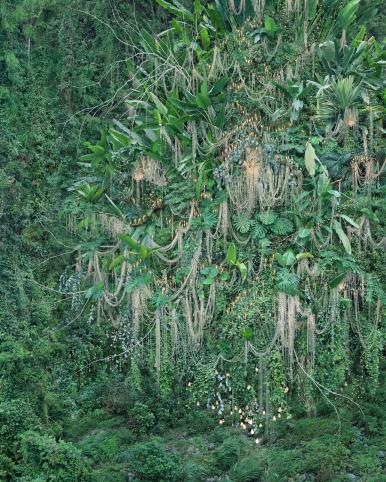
(342, 236)
(270, 26)
(231, 254)
(117, 261)
(243, 270)
(349, 220)
(176, 9)
(337, 279)
(205, 38)
(95, 292)
(309, 159)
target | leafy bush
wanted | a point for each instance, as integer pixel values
(7, 467)
(100, 445)
(109, 473)
(97, 419)
(153, 462)
(196, 472)
(248, 469)
(199, 421)
(229, 452)
(61, 461)
(16, 416)
(141, 417)
(325, 457)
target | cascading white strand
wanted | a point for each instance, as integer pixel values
(112, 225)
(292, 302)
(139, 298)
(252, 167)
(238, 193)
(135, 309)
(282, 315)
(209, 245)
(174, 332)
(148, 169)
(189, 320)
(311, 338)
(258, 7)
(233, 7)
(223, 221)
(158, 343)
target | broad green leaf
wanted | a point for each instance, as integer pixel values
(280, 259)
(176, 9)
(270, 25)
(289, 257)
(202, 98)
(243, 270)
(359, 36)
(342, 236)
(337, 280)
(117, 261)
(231, 254)
(304, 255)
(205, 38)
(309, 159)
(131, 242)
(95, 292)
(208, 281)
(304, 233)
(198, 8)
(160, 106)
(247, 333)
(349, 220)
(219, 86)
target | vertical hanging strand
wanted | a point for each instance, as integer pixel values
(158, 344)
(311, 338)
(282, 311)
(261, 380)
(291, 315)
(174, 332)
(135, 309)
(246, 357)
(267, 414)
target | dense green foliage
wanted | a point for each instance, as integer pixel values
(210, 267)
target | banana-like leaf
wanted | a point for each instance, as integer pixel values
(336, 281)
(349, 220)
(176, 9)
(342, 236)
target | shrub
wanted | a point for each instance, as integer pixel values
(55, 461)
(7, 467)
(100, 445)
(229, 452)
(109, 473)
(325, 457)
(142, 418)
(152, 462)
(195, 472)
(16, 416)
(248, 469)
(199, 421)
